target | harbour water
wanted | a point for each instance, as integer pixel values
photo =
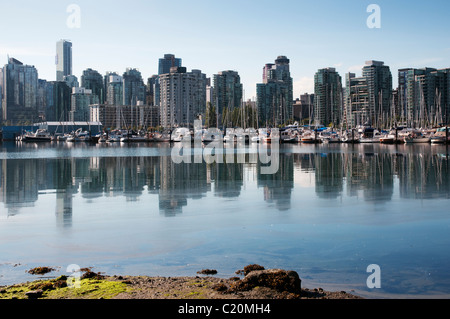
(328, 213)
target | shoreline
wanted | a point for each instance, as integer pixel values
(254, 282)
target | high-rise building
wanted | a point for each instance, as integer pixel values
(169, 61)
(327, 97)
(151, 90)
(165, 64)
(58, 101)
(304, 108)
(424, 96)
(93, 80)
(20, 91)
(379, 81)
(63, 59)
(133, 87)
(114, 89)
(368, 98)
(183, 97)
(228, 91)
(72, 81)
(275, 94)
(81, 99)
(357, 109)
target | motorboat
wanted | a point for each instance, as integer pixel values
(388, 139)
(441, 136)
(288, 136)
(370, 135)
(41, 135)
(181, 134)
(230, 136)
(271, 137)
(309, 137)
(211, 135)
(133, 137)
(416, 137)
(350, 138)
(163, 137)
(330, 137)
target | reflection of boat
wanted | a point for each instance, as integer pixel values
(41, 135)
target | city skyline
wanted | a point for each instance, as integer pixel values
(313, 35)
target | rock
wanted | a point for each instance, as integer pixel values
(278, 279)
(207, 272)
(34, 294)
(248, 269)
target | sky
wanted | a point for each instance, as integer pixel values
(240, 35)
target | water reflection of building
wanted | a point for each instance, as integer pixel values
(278, 187)
(424, 176)
(180, 182)
(329, 175)
(19, 184)
(369, 171)
(372, 174)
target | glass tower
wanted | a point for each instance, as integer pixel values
(63, 59)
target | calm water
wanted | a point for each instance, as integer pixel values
(328, 213)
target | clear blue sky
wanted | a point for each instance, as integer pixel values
(240, 35)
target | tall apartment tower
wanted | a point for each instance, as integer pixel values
(169, 61)
(424, 96)
(228, 91)
(133, 87)
(368, 98)
(275, 94)
(63, 59)
(183, 97)
(379, 81)
(327, 97)
(19, 85)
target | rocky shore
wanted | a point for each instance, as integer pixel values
(253, 282)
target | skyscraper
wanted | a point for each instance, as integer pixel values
(133, 87)
(20, 92)
(327, 97)
(368, 98)
(93, 80)
(63, 59)
(183, 97)
(169, 61)
(114, 89)
(424, 96)
(275, 94)
(165, 64)
(379, 81)
(227, 92)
